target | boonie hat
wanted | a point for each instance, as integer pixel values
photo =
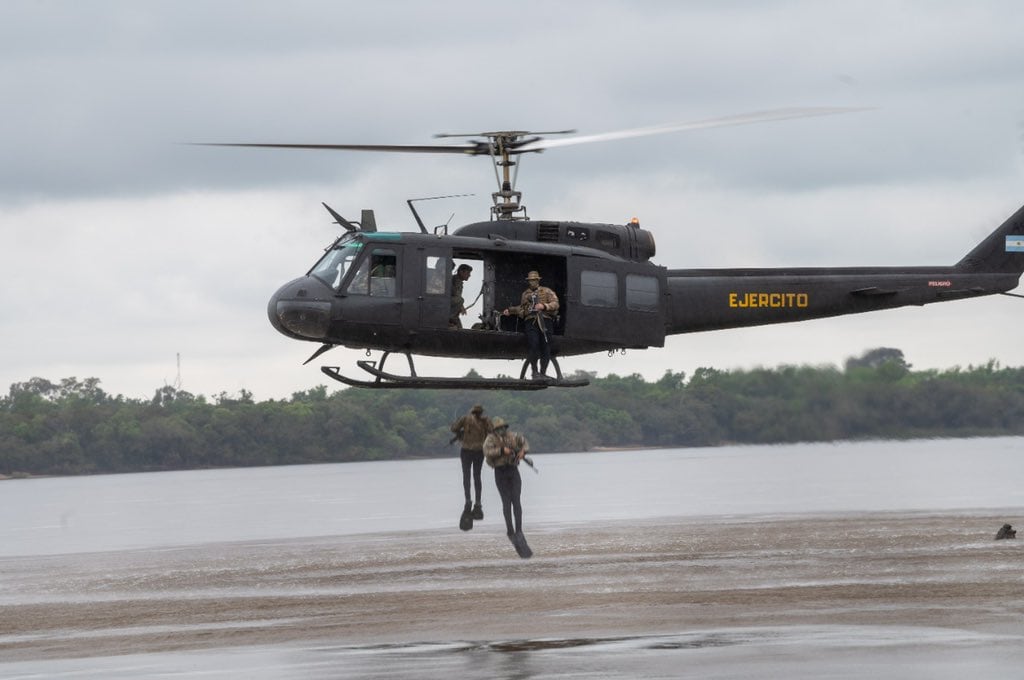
(498, 423)
(533, 275)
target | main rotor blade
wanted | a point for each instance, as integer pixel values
(740, 119)
(483, 148)
(471, 149)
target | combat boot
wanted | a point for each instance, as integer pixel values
(466, 519)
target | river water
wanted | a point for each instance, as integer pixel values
(846, 560)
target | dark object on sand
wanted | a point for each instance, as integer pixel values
(1006, 531)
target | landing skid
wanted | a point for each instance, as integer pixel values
(383, 379)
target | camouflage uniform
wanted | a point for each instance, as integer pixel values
(458, 306)
(496, 442)
(458, 302)
(471, 430)
(544, 295)
(501, 449)
(539, 324)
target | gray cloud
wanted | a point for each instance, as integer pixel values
(121, 246)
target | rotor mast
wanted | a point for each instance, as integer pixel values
(507, 201)
(501, 146)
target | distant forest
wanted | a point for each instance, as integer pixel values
(74, 427)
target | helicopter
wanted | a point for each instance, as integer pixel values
(392, 291)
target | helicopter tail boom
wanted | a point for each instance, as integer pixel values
(732, 298)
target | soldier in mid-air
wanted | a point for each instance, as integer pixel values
(503, 451)
(471, 430)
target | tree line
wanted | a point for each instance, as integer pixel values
(74, 427)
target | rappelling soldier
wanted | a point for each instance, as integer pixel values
(471, 430)
(538, 307)
(503, 451)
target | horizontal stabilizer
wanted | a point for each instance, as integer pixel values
(965, 292)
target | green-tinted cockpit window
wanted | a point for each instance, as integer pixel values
(335, 263)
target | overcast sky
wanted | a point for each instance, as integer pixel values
(122, 248)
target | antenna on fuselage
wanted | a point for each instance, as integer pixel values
(423, 227)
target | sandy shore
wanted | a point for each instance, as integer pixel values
(585, 582)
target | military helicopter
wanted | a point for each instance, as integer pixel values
(391, 291)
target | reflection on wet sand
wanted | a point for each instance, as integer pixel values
(653, 585)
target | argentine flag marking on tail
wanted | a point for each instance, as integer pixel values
(1015, 244)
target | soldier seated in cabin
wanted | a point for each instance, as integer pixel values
(382, 280)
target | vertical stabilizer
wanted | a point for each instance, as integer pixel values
(1002, 251)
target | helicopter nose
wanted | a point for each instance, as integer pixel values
(301, 309)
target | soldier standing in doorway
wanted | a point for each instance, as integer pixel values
(459, 278)
(538, 306)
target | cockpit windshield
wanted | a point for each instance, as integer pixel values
(335, 263)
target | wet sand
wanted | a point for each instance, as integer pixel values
(589, 582)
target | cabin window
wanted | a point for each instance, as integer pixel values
(641, 292)
(377, 275)
(599, 289)
(436, 275)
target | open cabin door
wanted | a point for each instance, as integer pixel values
(616, 302)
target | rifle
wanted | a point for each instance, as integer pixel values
(458, 435)
(515, 453)
(538, 318)
(528, 461)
